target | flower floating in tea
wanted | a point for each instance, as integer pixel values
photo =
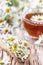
(37, 19)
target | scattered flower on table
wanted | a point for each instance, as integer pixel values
(16, 46)
(40, 40)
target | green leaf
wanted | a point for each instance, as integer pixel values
(15, 3)
(8, 20)
(21, 9)
(9, 4)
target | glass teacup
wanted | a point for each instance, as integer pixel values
(33, 29)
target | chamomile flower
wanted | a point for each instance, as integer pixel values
(37, 19)
(6, 30)
(15, 47)
(25, 43)
(40, 40)
(11, 38)
(19, 48)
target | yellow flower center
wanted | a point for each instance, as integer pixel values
(39, 19)
(1, 20)
(14, 48)
(1, 63)
(7, 10)
(22, 54)
(25, 44)
(6, 30)
(7, 0)
(23, 48)
(40, 0)
(11, 39)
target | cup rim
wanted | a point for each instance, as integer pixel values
(25, 19)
